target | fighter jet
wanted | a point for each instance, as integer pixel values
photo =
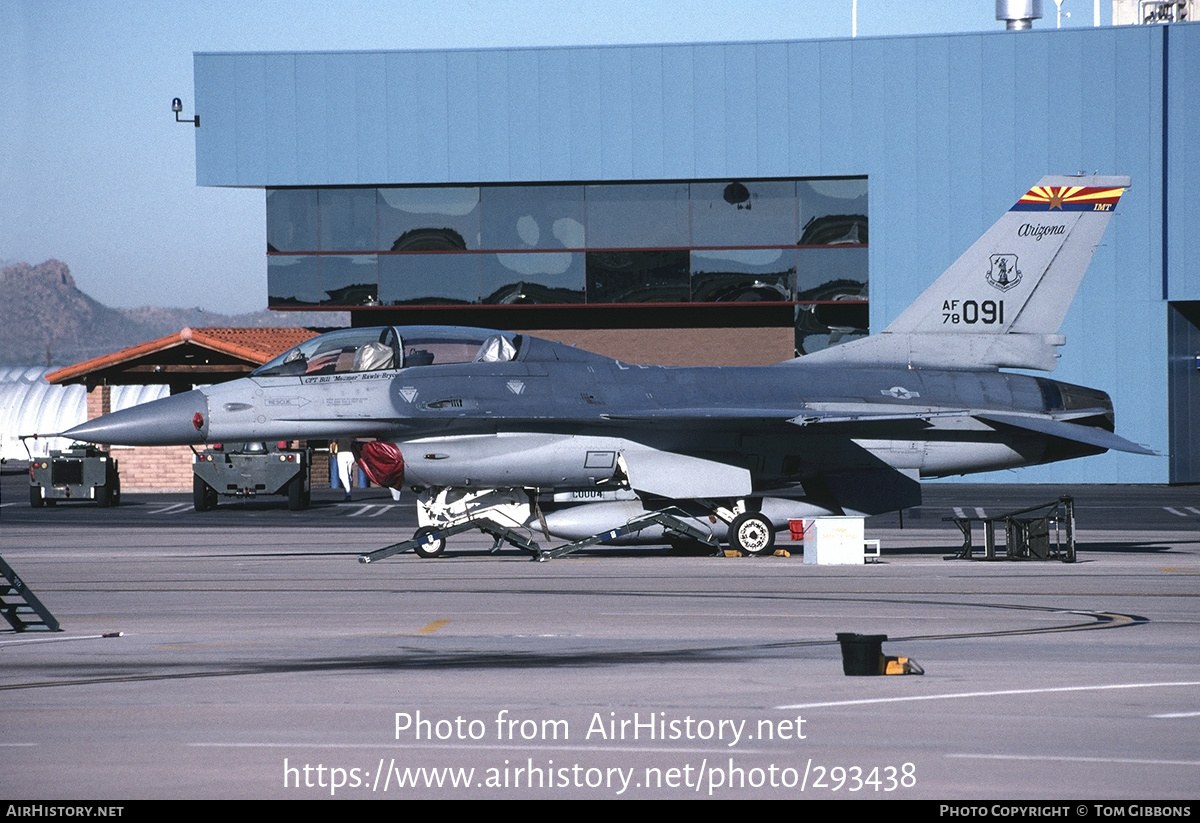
(509, 432)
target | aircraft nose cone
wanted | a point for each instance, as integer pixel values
(181, 419)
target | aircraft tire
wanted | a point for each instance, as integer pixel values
(203, 498)
(435, 549)
(752, 533)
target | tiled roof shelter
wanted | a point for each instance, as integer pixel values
(189, 357)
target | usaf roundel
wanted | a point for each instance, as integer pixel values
(1004, 273)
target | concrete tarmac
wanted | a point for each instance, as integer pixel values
(259, 659)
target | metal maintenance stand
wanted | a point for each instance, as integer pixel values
(1025, 538)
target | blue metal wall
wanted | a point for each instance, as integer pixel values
(949, 129)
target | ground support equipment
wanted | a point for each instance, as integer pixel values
(432, 536)
(20, 606)
(670, 522)
(1025, 538)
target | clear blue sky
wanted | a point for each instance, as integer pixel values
(94, 170)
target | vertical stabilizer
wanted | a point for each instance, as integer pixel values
(1001, 304)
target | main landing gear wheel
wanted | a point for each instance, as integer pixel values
(428, 549)
(752, 533)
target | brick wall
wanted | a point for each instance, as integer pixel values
(144, 468)
(320, 470)
(154, 468)
(99, 401)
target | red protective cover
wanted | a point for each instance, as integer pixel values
(382, 462)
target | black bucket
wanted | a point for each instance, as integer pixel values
(862, 654)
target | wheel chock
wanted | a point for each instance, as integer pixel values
(902, 665)
(736, 553)
(862, 655)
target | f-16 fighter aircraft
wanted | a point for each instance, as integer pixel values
(507, 432)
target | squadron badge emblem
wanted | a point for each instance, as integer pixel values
(1004, 273)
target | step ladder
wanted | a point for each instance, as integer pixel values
(20, 606)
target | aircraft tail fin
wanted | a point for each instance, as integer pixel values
(1001, 304)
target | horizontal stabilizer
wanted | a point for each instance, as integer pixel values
(1092, 436)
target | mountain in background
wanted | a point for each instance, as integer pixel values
(48, 321)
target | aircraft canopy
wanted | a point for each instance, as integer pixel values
(388, 347)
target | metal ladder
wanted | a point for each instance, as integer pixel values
(20, 606)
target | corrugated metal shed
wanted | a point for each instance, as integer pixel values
(29, 405)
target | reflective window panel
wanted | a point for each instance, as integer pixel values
(428, 279)
(293, 280)
(537, 278)
(637, 277)
(832, 212)
(532, 217)
(349, 280)
(831, 273)
(744, 214)
(743, 275)
(428, 219)
(291, 220)
(347, 220)
(637, 215)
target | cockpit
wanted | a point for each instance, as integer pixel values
(377, 349)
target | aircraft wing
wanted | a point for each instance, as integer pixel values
(788, 414)
(1054, 427)
(1090, 435)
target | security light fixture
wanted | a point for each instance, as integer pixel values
(177, 106)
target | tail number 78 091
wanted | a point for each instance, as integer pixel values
(970, 312)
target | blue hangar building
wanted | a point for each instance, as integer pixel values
(729, 202)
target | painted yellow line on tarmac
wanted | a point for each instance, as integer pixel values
(433, 627)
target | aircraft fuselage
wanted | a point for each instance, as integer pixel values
(563, 423)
